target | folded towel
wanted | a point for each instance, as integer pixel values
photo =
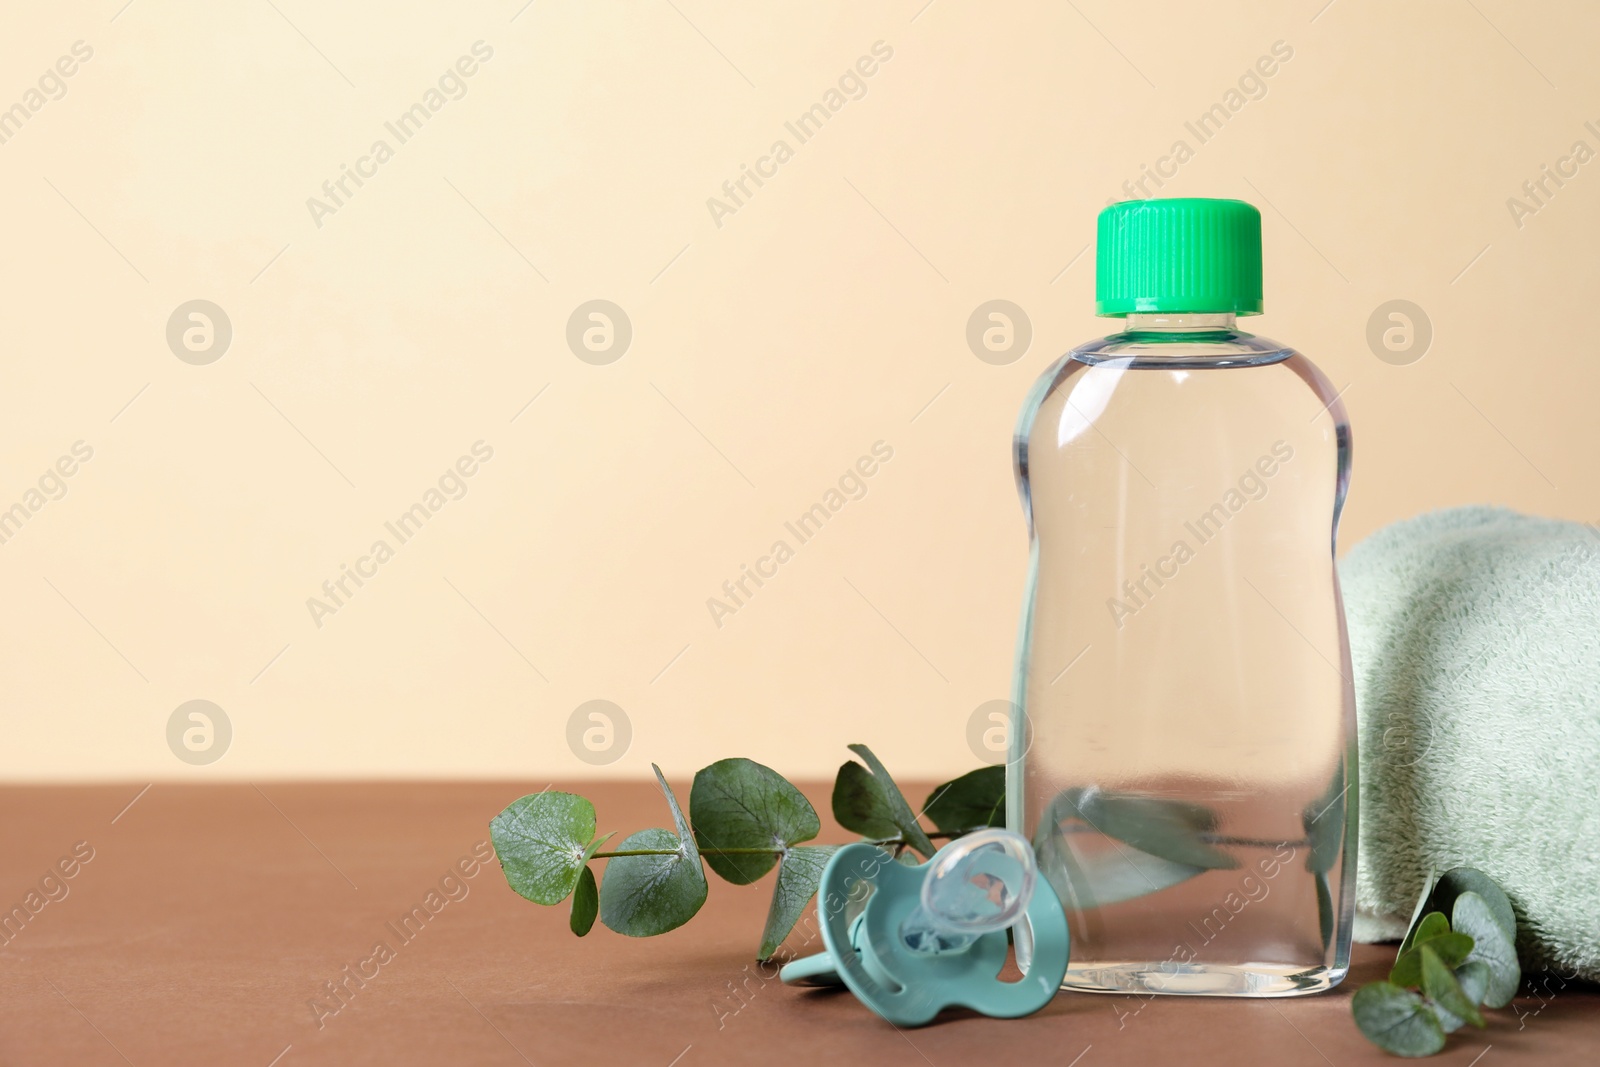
(1475, 637)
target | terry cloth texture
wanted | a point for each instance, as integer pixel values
(1475, 639)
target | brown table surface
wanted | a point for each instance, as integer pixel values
(209, 916)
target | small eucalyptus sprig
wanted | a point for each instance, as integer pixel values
(744, 819)
(1458, 955)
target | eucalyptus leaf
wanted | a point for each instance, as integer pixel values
(1450, 947)
(585, 903)
(1397, 1020)
(1324, 908)
(1421, 911)
(647, 895)
(739, 803)
(1474, 978)
(799, 874)
(1085, 880)
(861, 805)
(1459, 880)
(1439, 893)
(543, 842)
(1432, 925)
(642, 896)
(1323, 821)
(1491, 946)
(904, 818)
(1172, 830)
(682, 824)
(972, 802)
(1440, 985)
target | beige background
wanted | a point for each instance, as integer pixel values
(828, 313)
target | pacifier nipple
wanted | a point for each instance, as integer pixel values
(977, 884)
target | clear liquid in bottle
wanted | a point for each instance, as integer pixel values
(1184, 757)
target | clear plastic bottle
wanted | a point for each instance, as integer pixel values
(1184, 754)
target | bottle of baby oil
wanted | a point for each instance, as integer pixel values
(1184, 750)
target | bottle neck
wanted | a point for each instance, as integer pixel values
(1174, 322)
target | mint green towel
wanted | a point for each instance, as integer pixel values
(1475, 637)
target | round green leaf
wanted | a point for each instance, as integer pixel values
(1397, 1020)
(1452, 948)
(860, 804)
(738, 803)
(1474, 916)
(1098, 877)
(1432, 925)
(1459, 880)
(642, 896)
(1439, 893)
(1442, 987)
(972, 802)
(1474, 979)
(542, 841)
(905, 820)
(1170, 829)
(585, 903)
(799, 874)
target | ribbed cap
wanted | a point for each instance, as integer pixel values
(1183, 255)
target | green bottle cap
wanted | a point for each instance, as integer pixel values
(1188, 255)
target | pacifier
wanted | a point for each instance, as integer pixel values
(932, 937)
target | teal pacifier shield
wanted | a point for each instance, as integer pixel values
(908, 988)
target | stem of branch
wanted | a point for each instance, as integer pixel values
(674, 852)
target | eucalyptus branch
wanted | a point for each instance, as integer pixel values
(674, 852)
(1459, 956)
(655, 880)
(887, 842)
